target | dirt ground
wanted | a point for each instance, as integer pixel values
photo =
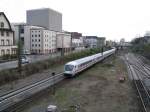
(94, 90)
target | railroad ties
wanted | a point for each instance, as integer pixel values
(140, 75)
(16, 96)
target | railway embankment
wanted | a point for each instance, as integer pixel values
(94, 90)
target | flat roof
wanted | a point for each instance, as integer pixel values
(44, 9)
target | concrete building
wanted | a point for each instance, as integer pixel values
(100, 42)
(110, 43)
(48, 18)
(78, 43)
(24, 35)
(7, 45)
(35, 39)
(122, 42)
(77, 40)
(15, 28)
(64, 41)
(91, 41)
(43, 41)
(76, 35)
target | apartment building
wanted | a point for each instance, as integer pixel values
(42, 41)
(24, 35)
(78, 42)
(100, 42)
(64, 41)
(91, 41)
(6, 36)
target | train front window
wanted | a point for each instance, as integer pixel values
(69, 67)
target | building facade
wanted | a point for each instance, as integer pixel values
(7, 45)
(24, 35)
(35, 39)
(48, 18)
(64, 41)
(100, 42)
(91, 41)
(43, 41)
(78, 43)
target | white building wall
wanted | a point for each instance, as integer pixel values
(36, 42)
(6, 37)
(78, 42)
(53, 41)
(3, 19)
(26, 35)
(92, 43)
(43, 41)
(63, 40)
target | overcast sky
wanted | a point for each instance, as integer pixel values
(114, 19)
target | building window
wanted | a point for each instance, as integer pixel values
(3, 52)
(8, 51)
(7, 33)
(35, 35)
(39, 40)
(39, 45)
(32, 35)
(2, 25)
(35, 45)
(32, 40)
(2, 42)
(35, 40)
(32, 45)
(22, 30)
(8, 43)
(2, 33)
(39, 35)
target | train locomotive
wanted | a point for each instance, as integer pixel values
(76, 66)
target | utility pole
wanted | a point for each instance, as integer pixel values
(102, 50)
(53, 75)
(62, 50)
(19, 51)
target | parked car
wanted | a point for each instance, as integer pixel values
(24, 59)
(26, 52)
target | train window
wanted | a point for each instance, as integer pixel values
(69, 67)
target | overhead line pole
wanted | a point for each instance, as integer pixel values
(19, 51)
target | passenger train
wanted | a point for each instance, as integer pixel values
(74, 67)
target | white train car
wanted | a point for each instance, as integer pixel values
(74, 67)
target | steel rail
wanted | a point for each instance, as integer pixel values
(138, 90)
(132, 70)
(26, 86)
(21, 94)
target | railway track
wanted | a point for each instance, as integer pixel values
(16, 96)
(139, 72)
